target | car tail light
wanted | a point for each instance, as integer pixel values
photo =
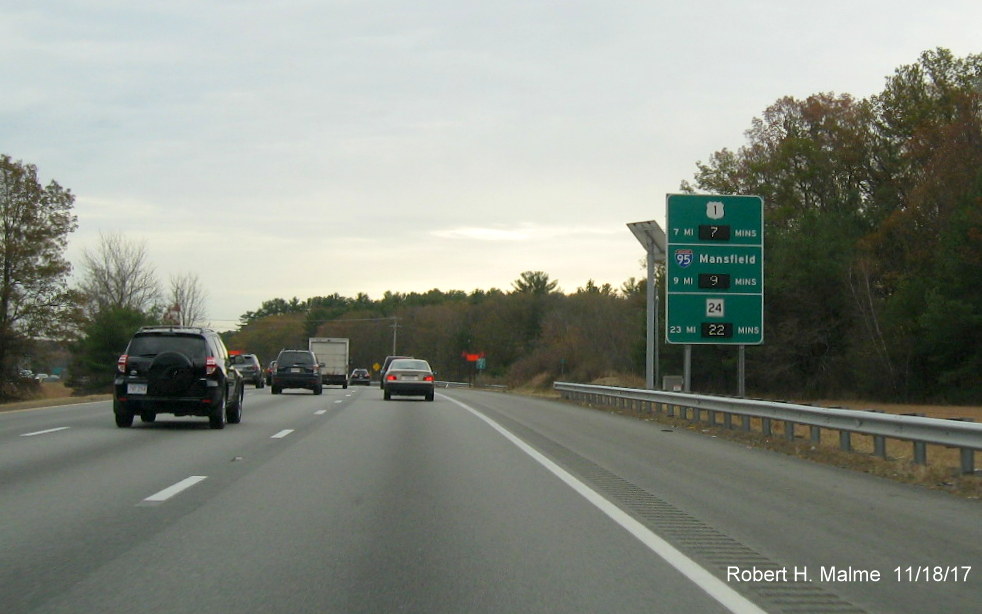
(121, 363)
(390, 378)
(210, 365)
(428, 378)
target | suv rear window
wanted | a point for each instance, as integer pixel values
(287, 359)
(151, 345)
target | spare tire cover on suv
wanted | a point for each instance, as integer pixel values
(170, 374)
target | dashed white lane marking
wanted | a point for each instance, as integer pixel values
(710, 584)
(45, 432)
(170, 491)
(282, 434)
(320, 412)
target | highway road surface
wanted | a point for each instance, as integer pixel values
(476, 502)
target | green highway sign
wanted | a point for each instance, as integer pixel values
(715, 318)
(715, 269)
(701, 219)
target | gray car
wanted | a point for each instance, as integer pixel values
(252, 372)
(408, 377)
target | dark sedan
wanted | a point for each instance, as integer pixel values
(360, 376)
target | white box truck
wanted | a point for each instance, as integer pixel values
(332, 353)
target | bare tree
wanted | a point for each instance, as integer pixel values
(119, 276)
(186, 302)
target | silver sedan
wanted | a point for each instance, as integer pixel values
(408, 377)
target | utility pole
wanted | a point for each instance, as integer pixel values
(395, 328)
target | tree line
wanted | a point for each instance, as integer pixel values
(873, 263)
(531, 331)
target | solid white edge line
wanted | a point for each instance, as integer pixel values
(55, 430)
(713, 586)
(170, 491)
(282, 434)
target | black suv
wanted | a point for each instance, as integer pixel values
(250, 369)
(180, 370)
(297, 369)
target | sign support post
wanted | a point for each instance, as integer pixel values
(652, 237)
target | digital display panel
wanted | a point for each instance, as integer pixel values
(717, 281)
(714, 232)
(717, 330)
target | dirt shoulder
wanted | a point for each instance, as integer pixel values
(53, 395)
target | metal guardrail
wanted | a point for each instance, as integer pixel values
(964, 435)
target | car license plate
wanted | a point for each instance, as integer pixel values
(296, 370)
(136, 388)
(411, 378)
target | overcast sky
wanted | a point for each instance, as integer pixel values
(307, 147)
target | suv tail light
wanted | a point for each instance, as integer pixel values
(121, 363)
(210, 365)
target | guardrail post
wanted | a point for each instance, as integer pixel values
(920, 453)
(816, 434)
(968, 460)
(765, 426)
(880, 446)
(845, 441)
(967, 454)
(728, 421)
(746, 422)
(789, 430)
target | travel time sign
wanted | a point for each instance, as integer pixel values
(715, 269)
